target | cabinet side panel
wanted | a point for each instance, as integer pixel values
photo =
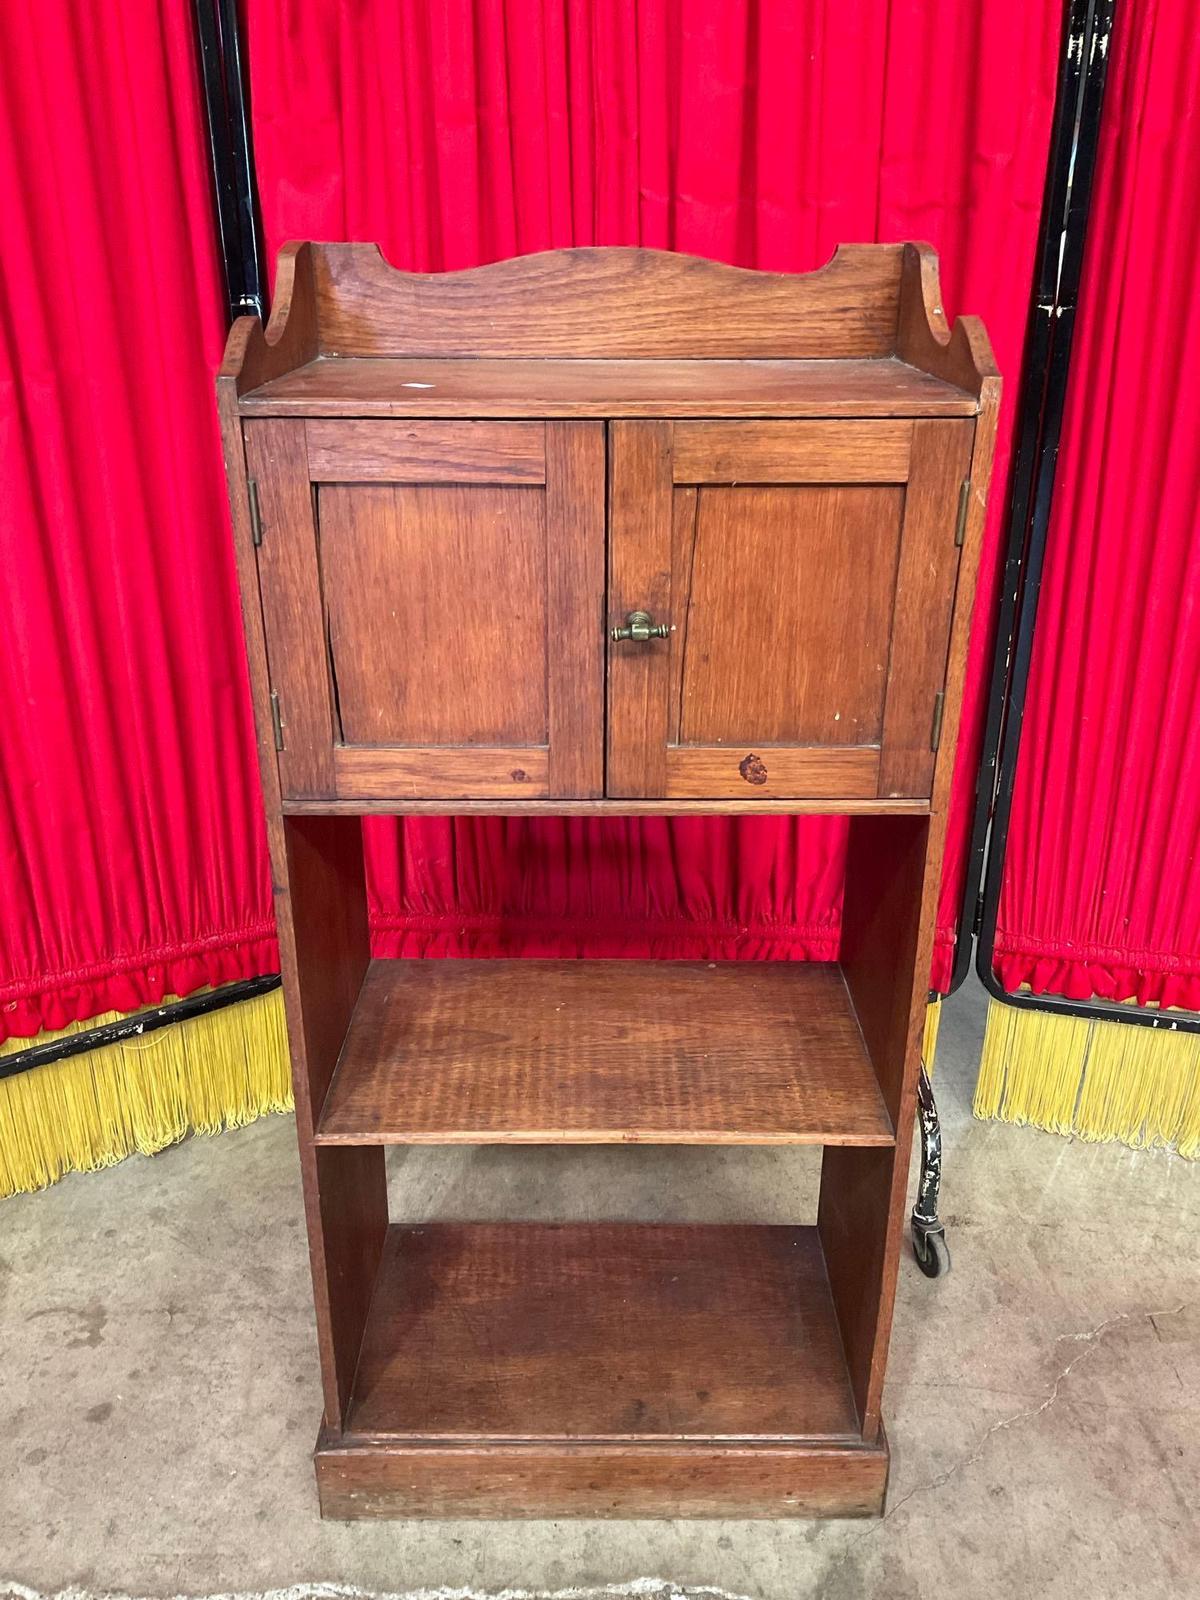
(982, 456)
(887, 932)
(925, 583)
(320, 903)
(252, 618)
(316, 868)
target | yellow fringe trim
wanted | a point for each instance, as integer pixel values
(218, 1071)
(1096, 1080)
(933, 1021)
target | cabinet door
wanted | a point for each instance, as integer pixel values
(432, 598)
(803, 573)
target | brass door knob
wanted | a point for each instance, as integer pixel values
(639, 625)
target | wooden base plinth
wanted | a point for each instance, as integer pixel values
(364, 1478)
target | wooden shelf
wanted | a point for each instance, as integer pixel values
(603, 1052)
(602, 1369)
(398, 806)
(602, 1331)
(412, 386)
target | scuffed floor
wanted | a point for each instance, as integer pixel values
(158, 1397)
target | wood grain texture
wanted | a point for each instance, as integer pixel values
(322, 959)
(438, 773)
(436, 603)
(420, 387)
(783, 610)
(613, 302)
(640, 515)
(321, 913)
(246, 556)
(290, 587)
(770, 772)
(255, 355)
(614, 1331)
(961, 355)
(982, 453)
(790, 452)
(468, 806)
(595, 1052)
(575, 598)
(889, 907)
(359, 1479)
(925, 582)
(449, 452)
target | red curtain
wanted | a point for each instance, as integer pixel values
(131, 846)
(758, 133)
(132, 852)
(1101, 891)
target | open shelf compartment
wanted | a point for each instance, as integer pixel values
(526, 1350)
(602, 1331)
(602, 1052)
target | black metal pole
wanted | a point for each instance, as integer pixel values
(133, 1027)
(1087, 30)
(239, 223)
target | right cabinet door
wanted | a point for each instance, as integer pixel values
(803, 574)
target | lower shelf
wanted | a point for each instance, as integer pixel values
(592, 1369)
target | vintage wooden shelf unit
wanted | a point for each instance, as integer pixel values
(606, 532)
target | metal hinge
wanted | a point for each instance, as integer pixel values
(255, 514)
(964, 500)
(939, 705)
(276, 720)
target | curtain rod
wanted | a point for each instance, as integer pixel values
(132, 1027)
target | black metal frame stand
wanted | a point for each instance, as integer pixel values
(1075, 141)
(1083, 68)
(928, 1233)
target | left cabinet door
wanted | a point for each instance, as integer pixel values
(432, 598)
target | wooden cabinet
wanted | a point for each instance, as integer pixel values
(606, 531)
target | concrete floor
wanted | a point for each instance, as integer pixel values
(159, 1392)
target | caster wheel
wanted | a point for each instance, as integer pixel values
(932, 1253)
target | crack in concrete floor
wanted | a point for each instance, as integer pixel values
(1090, 1338)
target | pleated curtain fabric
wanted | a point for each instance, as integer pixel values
(132, 850)
(759, 133)
(1101, 889)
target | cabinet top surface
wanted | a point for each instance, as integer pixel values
(414, 387)
(608, 332)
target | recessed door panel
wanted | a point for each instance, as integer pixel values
(426, 592)
(784, 613)
(436, 605)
